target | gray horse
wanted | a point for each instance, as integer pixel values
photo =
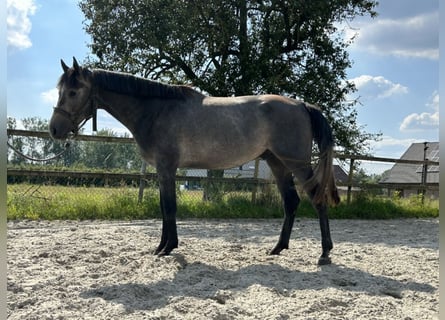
(176, 126)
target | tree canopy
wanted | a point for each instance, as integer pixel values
(236, 47)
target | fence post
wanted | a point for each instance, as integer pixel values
(350, 176)
(255, 176)
(142, 181)
(424, 172)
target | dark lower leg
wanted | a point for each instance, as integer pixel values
(163, 237)
(291, 201)
(169, 237)
(303, 175)
(326, 241)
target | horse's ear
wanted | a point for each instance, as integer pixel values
(64, 66)
(75, 65)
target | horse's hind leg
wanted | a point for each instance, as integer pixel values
(326, 241)
(286, 186)
(303, 174)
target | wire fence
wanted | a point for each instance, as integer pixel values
(190, 184)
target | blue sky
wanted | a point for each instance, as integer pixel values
(396, 67)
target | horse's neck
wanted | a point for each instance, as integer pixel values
(126, 109)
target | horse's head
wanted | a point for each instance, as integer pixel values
(76, 101)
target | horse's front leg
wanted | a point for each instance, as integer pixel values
(169, 237)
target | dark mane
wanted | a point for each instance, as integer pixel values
(137, 86)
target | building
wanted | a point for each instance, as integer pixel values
(247, 170)
(405, 176)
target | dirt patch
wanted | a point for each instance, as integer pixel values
(221, 270)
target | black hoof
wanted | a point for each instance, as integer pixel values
(324, 261)
(274, 252)
(156, 252)
(277, 250)
(165, 251)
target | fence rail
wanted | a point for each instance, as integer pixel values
(119, 176)
(42, 172)
(381, 159)
(81, 137)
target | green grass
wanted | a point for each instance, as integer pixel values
(374, 207)
(82, 203)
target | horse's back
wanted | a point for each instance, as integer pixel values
(254, 101)
(266, 109)
(255, 124)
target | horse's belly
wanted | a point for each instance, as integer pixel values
(218, 159)
(218, 164)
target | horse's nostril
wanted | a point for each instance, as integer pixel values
(53, 131)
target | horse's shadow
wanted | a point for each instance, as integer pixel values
(204, 281)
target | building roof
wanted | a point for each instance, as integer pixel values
(412, 173)
(340, 175)
(247, 171)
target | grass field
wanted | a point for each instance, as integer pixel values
(80, 203)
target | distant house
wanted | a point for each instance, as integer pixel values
(339, 174)
(408, 174)
(341, 178)
(247, 170)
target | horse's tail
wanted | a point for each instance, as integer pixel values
(323, 179)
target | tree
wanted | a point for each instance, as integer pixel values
(16, 142)
(37, 147)
(110, 155)
(236, 47)
(33, 147)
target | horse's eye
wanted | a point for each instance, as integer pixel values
(72, 93)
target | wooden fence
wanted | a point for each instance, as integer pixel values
(142, 176)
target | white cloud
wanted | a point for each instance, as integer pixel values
(391, 142)
(377, 87)
(425, 120)
(420, 121)
(434, 101)
(416, 36)
(18, 23)
(50, 96)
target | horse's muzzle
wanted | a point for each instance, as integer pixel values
(60, 127)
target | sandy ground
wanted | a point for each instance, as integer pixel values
(221, 270)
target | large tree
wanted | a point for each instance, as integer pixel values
(40, 148)
(236, 47)
(110, 155)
